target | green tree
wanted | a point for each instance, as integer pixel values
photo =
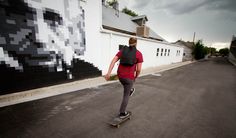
(206, 50)
(111, 2)
(129, 12)
(199, 50)
(224, 51)
(212, 50)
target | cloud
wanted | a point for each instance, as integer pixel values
(177, 7)
(140, 4)
(185, 6)
(220, 45)
(212, 20)
(227, 5)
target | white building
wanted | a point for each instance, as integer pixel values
(115, 28)
(68, 40)
(188, 49)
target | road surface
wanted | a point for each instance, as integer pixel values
(194, 101)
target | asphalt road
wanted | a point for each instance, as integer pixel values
(194, 101)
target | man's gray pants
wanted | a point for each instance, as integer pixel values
(127, 85)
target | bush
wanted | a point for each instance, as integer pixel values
(113, 77)
(224, 51)
(129, 12)
(199, 51)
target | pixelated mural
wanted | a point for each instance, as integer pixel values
(41, 42)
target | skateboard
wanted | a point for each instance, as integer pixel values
(116, 122)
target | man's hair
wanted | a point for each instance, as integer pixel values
(132, 41)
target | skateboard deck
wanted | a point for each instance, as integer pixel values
(117, 121)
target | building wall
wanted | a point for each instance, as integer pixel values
(43, 43)
(112, 40)
(46, 42)
(187, 54)
(232, 51)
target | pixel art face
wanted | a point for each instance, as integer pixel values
(45, 33)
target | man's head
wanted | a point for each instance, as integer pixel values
(132, 41)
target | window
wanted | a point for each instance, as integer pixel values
(157, 51)
(168, 52)
(161, 51)
(178, 53)
(165, 52)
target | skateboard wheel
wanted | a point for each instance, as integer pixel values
(118, 126)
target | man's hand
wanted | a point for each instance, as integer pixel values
(114, 60)
(107, 76)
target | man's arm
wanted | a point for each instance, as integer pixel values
(114, 60)
(138, 69)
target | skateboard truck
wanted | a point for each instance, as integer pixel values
(116, 122)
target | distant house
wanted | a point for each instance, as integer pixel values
(232, 52)
(188, 49)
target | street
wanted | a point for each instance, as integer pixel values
(193, 101)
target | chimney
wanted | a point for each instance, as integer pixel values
(142, 31)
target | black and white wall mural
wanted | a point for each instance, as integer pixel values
(41, 42)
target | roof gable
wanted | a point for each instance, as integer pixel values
(186, 44)
(141, 17)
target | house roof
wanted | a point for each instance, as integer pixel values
(139, 17)
(183, 43)
(121, 22)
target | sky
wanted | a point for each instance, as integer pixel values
(213, 21)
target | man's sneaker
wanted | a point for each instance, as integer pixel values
(123, 115)
(132, 91)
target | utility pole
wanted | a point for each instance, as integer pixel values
(194, 37)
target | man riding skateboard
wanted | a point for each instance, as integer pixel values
(128, 70)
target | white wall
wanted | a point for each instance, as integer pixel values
(102, 45)
(112, 40)
(93, 22)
